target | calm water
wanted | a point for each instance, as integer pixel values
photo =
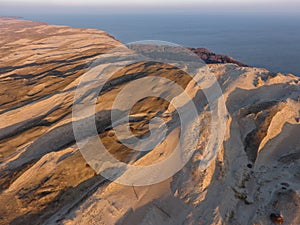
(272, 42)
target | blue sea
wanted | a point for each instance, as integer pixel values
(269, 41)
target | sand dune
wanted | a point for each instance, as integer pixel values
(44, 179)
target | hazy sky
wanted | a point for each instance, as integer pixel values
(148, 6)
(140, 2)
